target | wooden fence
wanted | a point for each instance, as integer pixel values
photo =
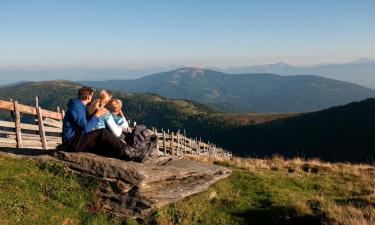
(175, 143)
(45, 133)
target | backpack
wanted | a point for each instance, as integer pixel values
(142, 139)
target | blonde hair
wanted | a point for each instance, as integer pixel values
(101, 101)
(114, 105)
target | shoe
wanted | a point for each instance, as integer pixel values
(157, 160)
(155, 156)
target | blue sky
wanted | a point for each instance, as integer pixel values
(189, 32)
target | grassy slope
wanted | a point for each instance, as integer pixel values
(271, 191)
(45, 194)
(252, 118)
(282, 192)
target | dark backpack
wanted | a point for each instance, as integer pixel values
(141, 138)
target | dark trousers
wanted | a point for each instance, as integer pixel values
(103, 142)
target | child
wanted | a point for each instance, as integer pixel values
(114, 106)
(115, 126)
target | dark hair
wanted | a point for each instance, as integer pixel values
(85, 92)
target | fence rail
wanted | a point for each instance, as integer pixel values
(175, 143)
(46, 133)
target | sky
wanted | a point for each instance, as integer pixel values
(141, 33)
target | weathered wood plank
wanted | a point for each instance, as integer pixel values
(29, 110)
(42, 132)
(26, 126)
(9, 141)
(35, 137)
(53, 123)
(17, 124)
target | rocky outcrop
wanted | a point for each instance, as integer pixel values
(133, 189)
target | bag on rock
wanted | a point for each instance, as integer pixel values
(142, 139)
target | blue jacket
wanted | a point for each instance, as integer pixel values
(75, 120)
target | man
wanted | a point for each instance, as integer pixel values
(79, 134)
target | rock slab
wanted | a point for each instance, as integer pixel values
(133, 189)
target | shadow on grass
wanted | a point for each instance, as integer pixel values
(26, 151)
(276, 215)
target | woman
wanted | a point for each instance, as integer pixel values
(107, 120)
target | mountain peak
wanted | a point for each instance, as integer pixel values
(190, 68)
(192, 71)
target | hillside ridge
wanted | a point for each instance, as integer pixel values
(250, 92)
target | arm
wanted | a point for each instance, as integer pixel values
(81, 120)
(125, 123)
(113, 127)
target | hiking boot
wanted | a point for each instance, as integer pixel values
(151, 155)
(156, 156)
(149, 151)
(158, 160)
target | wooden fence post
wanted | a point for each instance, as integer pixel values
(62, 114)
(36, 102)
(42, 133)
(164, 144)
(198, 148)
(172, 144)
(178, 142)
(11, 112)
(17, 122)
(184, 139)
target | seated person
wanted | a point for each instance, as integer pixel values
(79, 133)
(108, 121)
(115, 107)
(102, 100)
(116, 121)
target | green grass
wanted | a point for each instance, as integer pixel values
(273, 196)
(32, 193)
(257, 192)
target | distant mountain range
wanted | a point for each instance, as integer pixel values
(259, 92)
(361, 71)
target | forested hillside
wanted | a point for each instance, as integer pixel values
(344, 133)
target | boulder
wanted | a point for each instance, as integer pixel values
(133, 189)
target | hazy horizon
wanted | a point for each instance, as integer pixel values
(55, 67)
(363, 68)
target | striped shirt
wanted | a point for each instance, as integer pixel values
(102, 119)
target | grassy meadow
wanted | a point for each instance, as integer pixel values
(259, 191)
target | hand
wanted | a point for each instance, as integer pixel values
(101, 112)
(121, 113)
